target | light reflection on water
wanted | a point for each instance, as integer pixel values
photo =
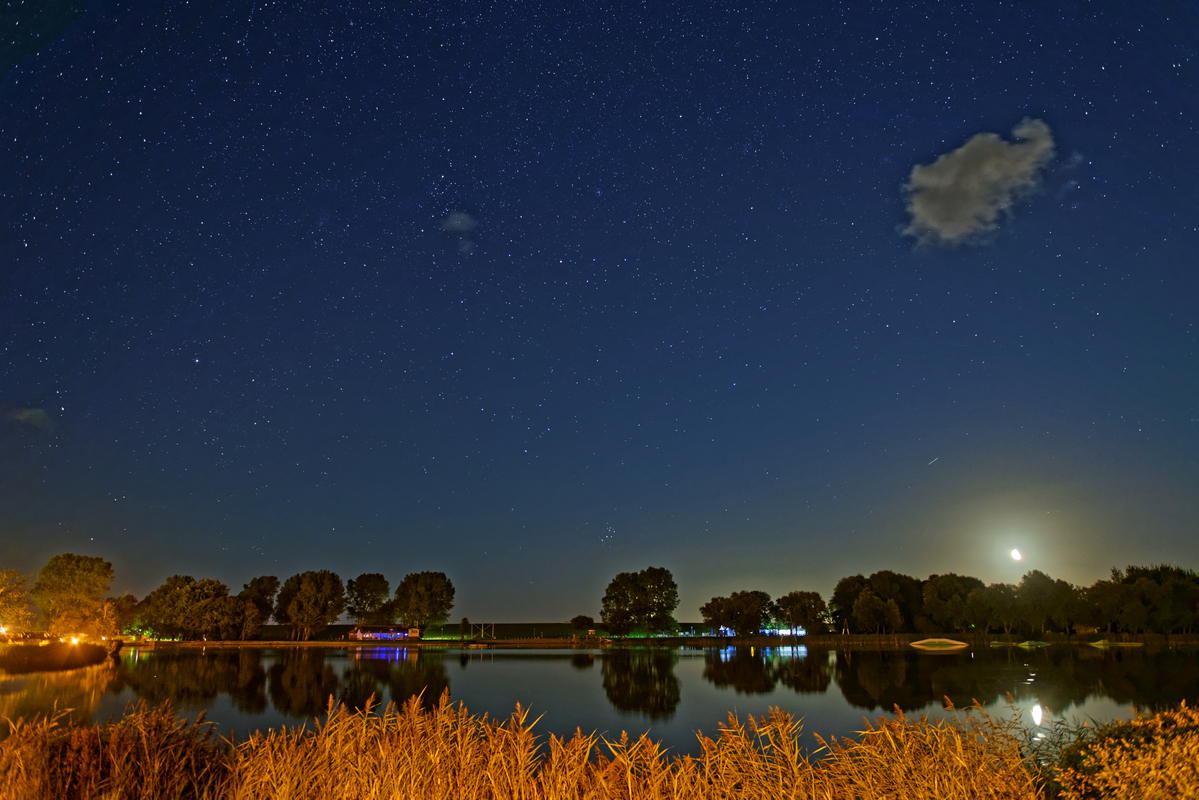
(670, 693)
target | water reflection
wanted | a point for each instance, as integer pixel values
(641, 681)
(395, 674)
(749, 670)
(79, 690)
(301, 682)
(245, 688)
(188, 681)
(1059, 677)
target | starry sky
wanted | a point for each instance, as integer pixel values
(535, 293)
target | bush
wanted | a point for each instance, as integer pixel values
(1147, 757)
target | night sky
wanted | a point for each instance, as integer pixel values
(536, 293)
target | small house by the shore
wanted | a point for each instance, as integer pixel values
(383, 633)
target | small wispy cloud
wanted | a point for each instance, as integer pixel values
(461, 226)
(959, 198)
(36, 417)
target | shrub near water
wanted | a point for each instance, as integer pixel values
(446, 752)
(1150, 756)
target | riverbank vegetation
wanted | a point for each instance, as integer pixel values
(444, 751)
(69, 593)
(1158, 599)
(69, 597)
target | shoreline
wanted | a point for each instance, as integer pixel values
(885, 642)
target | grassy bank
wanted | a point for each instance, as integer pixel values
(449, 753)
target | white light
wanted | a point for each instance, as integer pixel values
(1016, 555)
(1037, 714)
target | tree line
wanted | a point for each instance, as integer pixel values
(1154, 599)
(69, 597)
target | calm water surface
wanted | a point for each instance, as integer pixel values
(670, 693)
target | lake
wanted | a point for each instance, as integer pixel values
(669, 692)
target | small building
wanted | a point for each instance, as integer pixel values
(383, 633)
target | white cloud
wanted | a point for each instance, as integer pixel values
(959, 197)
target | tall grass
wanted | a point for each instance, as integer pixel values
(446, 752)
(1150, 756)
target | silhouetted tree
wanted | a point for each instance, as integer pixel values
(160, 611)
(309, 602)
(424, 598)
(803, 610)
(1034, 597)
(945, 599)
(905, 590)
(845, 594)
(366, 596)
(261, 592)
(717, 614)
(1006, 610)
(646, 598)
(980, 609)
(870, 614)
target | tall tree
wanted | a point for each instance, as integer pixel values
(660, 597)
(845, 594)
(204, 614)
(744, 613)
(803, 610)
(424, 598)
(366, 595)
(980, 609)
(750, 612)
(161, 610)
(261, 592)
(315, 599)
(905, 590)
(945, 599)
(717, 614)
(1034, 597)
(125, 609)
(870, 613)
(618, 608)
(1002, 597)
(14, 601)
(646, 598)
(69, 592)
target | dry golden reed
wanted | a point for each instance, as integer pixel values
(1145, 758)
(446, 752)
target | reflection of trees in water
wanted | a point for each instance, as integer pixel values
(186, 677)
(743, 668)
(805, 674)
(1140, 676)
(1057, 677)
(582, 661)
(301, 682)
(403, 673)
(756, 671)
(876, 679)
(41, 693)
(641, 681)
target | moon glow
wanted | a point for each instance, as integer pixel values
(1016, 555)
